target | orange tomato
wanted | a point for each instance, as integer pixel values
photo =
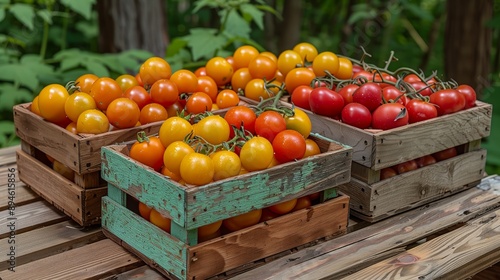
(123, 113)
(51, 100)
(220, 70)
(312, 148)
(148, 151)
(159, 220)
(85, 82)
(92, 121)
(153, 112)
(185, 80)
(104, 91)
(209, 230)
(34, 106)
(283, 207)
(302, 203)
(243, 220)
(144, 210)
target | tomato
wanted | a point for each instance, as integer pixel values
(34, 106)
(139, 95)
(255, 89)
(197, 169)
(300, 122)
(347, 92)
(240, 79)
(288, 60)
(368, 94)
(357, 68)
(243, 220)
(123, 113)
(200, 71)
(419, 110)
(227, 98)
(126, 81)
(148, 151)
(157, 219)
(219, 69)
(256, 154)
(271, 55)
(268, 215)
(144, 210)
(345, 69)
(387, 172)
(357, 115)
(171, 175)
(174, 129)
(77, 103)
(302, 203)
(391, 93)
(406, 166)
(51, 103)
(469, 94)
(300, 96)
(153, 112)
(243, 55)
(425, 160)
(445, 154)
(174, 109)
(139, 80)
(312, 148)
(363, 75)
(283, 207)
(326, 102)
(389, 115)
(382, 78)
(63, 170)
(421, 88)
(230, 59)
(214, 129)
(307, 51)
(269, 123)
(325, 61)
(412, 78)
(154, 69)
(448, 101)
(226, 164)
(289, 145)
(185, 80)
(105, 90)
(71, 127)
(207, 231)
(92, 121)
(85, 81)
(241, 115)
(173, 155)
(198, 102)
(300, 76)
(262, 67)
(207, 85)
(164, 92)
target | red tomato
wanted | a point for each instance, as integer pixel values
(419, 110)
(164, 92)
(300, 97)
(326, 102)
(199, 102)
(387, 172)
(363, 73)
(269, 123)
(406, 166)
(445, 154)
(368, 94)
(347, 92)
(425, 160)
(391, 93)
(422, 88)
(289, 145)
(139, 95)
(357, 115)
(389, 115)
(448, 101)
(469, 94)
(148, 151)
(241, 115)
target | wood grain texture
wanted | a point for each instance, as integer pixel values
(194, 207)
(143, 273)
(102, 259)
(50, 240)
(456, 255)
(8, 155)
(346, 254)
(23, 194)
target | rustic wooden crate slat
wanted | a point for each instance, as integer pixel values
(379, 200)
(103, 258)
(79, 152)
(50, 240)
(171, 256)
(191, 207)
(82, 205)
(143, 272)
(461, 258)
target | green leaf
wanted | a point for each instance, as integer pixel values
(269, 9)
(82, 7)
(97, 68)
(418, 11)
(203, 42)
(204, 3)
(175, 47)
(45, 15)
(68, 53)
(256, 14)
(24, 13)
(2, 14)
(11, 95)
(361, 15)
(19, 74)
(7, 127)
(111, 62)
(237, 25)
(70, 63)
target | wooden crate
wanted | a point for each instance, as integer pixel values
(192, 207)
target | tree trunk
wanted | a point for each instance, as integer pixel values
(468, 42)
(132, 24)
(291, 25)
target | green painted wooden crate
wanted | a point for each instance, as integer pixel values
(192, 207)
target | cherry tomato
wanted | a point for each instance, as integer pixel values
(240, 79)
(153, 112)
(171, 175)
(209, 231)
(207, 85)
(123, 113)
(200, 71)
(302, 203)
(445, 154)
(382, 78)
(227, 98)
(347, 92)
(77, 103)
(243, 55)
(422, 88)
(255, 89)
(289, 145)
(51, 103)
(312, 148)
(126, 81)
(363, 75)
(34, 106)
(448, 101)
(368, 94)
(198, 102)
(148, 151)
(357, 115)
(256, 154)
(241, 115)
(226, 164)
(139, 95)
(262, 67)
(174, 109)
(173, 155)
(154, 69)
(307, 51)
(326, 102)
(300, 76)
(92, 121)
(406, 166)
(164, 92)
(387, 172)
(71, 127)
(389, 115)
(271, 55)
(300, 122)
(214, 129)
(391, 93)
(197, 169)
(345, 69)
(412, 78)
(419, 110)
(243, 220)
(325, 61)
(185, 80)
(144, 210)
(157, 219)
(174, 129)
(288, 60)
(219, 69)
(283, 207)
(469, 94)
(269, 123)
(425, 160)
(300, 97)
(104, 90)
(85, 82)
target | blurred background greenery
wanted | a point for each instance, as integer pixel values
(55, 41)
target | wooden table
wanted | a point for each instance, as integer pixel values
(455, 238)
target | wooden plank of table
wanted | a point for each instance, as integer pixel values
(50, 240)
(143, 272)
(8, 155)
(28, 217)
(455, 255)
(93, 261)
(348, 253)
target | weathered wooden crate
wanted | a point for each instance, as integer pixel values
(178, 255)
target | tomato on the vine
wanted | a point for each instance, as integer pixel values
(198, 102)
(226, 164)
(300, 122)
(197, 169)
(325, 62)
(174, 129)
(300, 96)
(289, 145)
(448, 101)
(173, 155)
(269, 123)
(368, 94)
(326, 102)
(300, 76)
(392, 94)
(357, 115)
(419, 110)
(148, 151)
(347, 92)
(470, 95)
(389, 115)
(214, 129)
(241, 115)
(256, 90)
(256, 154)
